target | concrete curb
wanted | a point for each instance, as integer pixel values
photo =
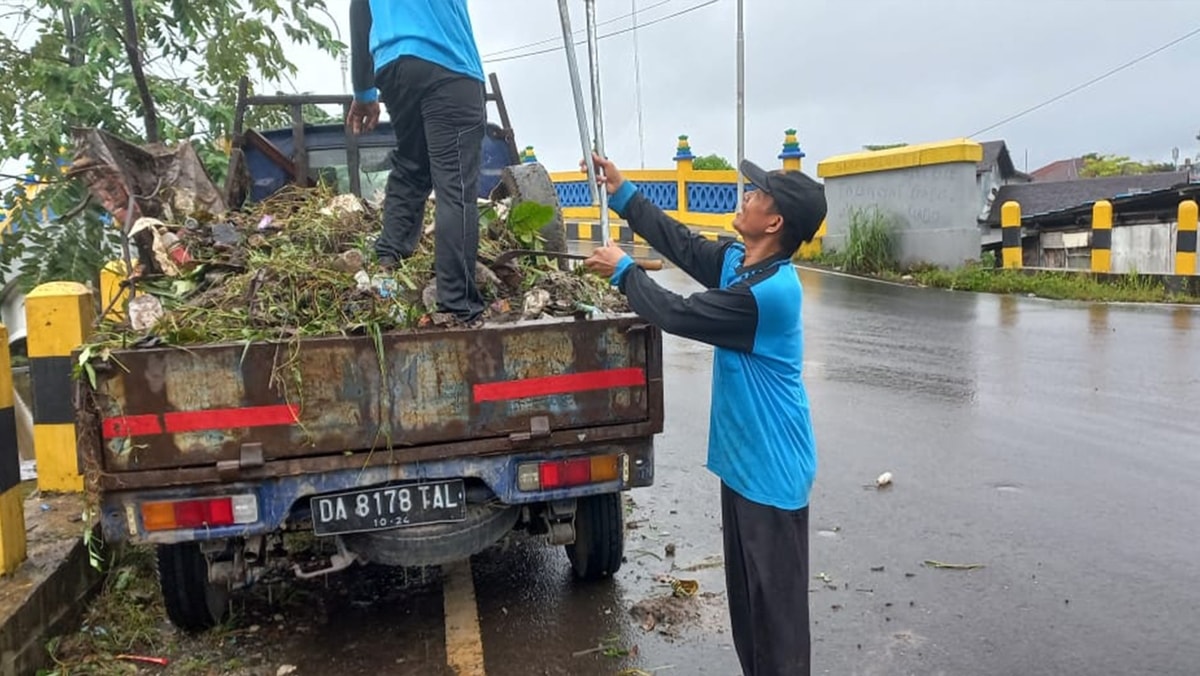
(47, 596)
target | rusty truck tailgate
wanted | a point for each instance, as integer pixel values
(169, 408)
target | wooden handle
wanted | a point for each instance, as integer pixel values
(650, 264)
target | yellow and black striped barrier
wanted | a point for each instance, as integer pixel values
(1010, 228)
(1185, 239)
(12, 507)
(58, 319)
(1102, 222)
(111, 293)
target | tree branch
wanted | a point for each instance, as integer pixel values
(139, 76)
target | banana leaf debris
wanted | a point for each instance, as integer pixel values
(301, 264)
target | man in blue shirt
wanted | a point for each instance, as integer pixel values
(419, 57)
(760, 432)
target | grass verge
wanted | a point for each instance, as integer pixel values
(127, 618)
(1080, 286)
(870, 252)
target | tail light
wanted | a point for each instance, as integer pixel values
(551, 474)
(228, 510)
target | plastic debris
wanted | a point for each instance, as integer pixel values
(144, 312)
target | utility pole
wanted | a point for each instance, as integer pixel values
(741, 107)
(637, 76)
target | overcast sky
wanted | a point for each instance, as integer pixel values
(847, 73)
(844, 73)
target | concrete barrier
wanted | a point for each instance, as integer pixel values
(1185, 239)
(1102, 223)
(59, 316)
(12, 509)
(1010, 228)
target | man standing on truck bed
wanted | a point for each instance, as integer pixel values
(420, 58)
(760, 431)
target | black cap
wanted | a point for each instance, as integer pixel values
(798, 197)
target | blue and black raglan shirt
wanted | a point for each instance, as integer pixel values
(760, 438)
(381, 31)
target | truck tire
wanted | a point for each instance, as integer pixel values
(599, 537)
(531, 183)
(193, 603)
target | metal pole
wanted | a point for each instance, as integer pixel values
(741, 107)
(585, 141)
(597, 108)
(637, 75)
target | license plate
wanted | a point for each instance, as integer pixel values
(390, 507)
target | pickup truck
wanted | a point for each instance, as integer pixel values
(414, 448)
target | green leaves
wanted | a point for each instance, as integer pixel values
(66, 65)
(527, 219)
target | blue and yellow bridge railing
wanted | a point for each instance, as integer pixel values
(704, 200)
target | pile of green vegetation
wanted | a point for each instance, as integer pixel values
(301, 264)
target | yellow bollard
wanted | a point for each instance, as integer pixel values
(58, 317)
(1185, 239)
(12, 507)
(1102, 223)
(1010, 226)
(110, 287)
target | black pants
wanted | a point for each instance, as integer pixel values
(439, 118)
(766, 579)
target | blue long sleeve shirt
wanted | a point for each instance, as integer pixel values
(381, 31)
(760, 439)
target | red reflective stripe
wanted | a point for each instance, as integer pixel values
(131, 426)
(564, 384)
(228, 418)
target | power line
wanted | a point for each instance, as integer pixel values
(1089, 83)
(488, 57)
(609, 35)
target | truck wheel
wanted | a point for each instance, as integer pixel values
(599, 537)
(193, 603)
(531, 183)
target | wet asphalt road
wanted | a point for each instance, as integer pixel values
(1058, 445)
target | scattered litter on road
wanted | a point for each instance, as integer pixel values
(286, 670)
(881, 482)
(642, 552)
(714, 561)
(670, 549)
(609, 647)
(876, 569)
(664, 613)
(824, 577)
(952, 566)
(28, 470)
(160, 661)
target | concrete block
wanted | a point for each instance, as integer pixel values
(47, 595)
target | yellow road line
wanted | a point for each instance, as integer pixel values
(464, 645)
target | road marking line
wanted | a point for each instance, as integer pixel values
(464, 644)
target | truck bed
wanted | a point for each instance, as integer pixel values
(173, 416)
